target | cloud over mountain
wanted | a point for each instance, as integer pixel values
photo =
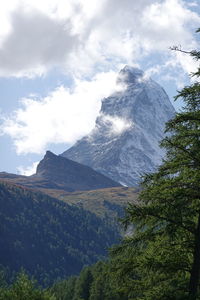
(62, 117)
(79, 36)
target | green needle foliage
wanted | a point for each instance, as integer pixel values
(24, 289)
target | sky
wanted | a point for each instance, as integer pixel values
(59, 59)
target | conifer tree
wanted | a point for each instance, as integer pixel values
(24, 288)
(83, 285)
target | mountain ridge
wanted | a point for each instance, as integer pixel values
(71, 175)
(56, 172)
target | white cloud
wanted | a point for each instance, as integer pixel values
(127, 31)
(27, 171)
(118, 125)
(192, 4)
(35, 43)
(83, 35)
(61, 117)
(85, 38)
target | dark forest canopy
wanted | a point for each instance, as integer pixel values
(47, 237)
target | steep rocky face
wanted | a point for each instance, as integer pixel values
(125, 141)
(69, 175)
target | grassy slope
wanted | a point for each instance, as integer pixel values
(101, 202)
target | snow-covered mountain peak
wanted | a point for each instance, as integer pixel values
(125, 141)
(130, 75)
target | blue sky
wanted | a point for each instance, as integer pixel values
(58, 59)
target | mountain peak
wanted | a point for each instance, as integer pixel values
(130, 75)
(132, 70)
(49, 154)
(125, 141)
(70, 175)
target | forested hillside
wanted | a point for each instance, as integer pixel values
(47, 237)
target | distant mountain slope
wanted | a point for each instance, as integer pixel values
(48, 237)
(125, 141)
(70, 175)
(106, 203)
(56, 172)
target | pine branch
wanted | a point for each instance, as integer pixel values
(140, 212)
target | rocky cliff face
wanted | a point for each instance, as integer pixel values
(62, 173)
(125, 141)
